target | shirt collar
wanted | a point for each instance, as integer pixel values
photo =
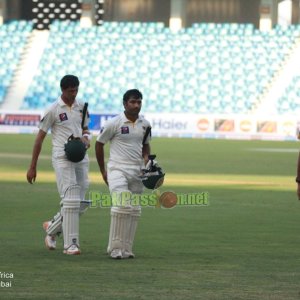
(62, 103)
(125, 120)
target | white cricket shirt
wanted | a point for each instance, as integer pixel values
(63, 122)
(125, 139)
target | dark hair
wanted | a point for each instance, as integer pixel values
(69, 81)
(134, 93)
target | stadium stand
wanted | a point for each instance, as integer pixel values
(13, 38)
(207, 68)
(289, 102)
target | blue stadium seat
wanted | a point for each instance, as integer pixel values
(207, 68)
(13, 37)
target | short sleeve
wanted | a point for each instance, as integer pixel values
(106, 132)
(47, 121)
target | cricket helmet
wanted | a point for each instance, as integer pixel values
(75, 149)
(153, 177)
(153, 182)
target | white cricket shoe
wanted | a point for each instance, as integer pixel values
(50, 240)
(128, 254)
(72, 250)
(116, 254)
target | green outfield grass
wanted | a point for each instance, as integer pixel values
(244, 245)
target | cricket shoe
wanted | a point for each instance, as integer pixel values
(116, 254)
(50, 240)
(128, 254)
(72, 250)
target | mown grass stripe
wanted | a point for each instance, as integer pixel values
(240, 181)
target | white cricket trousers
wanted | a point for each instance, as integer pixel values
(70, 174)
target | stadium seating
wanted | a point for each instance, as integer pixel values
(13, 37)
(289, 102)
(206, 68)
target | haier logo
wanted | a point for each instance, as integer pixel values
(168, 124)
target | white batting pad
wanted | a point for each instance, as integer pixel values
(134, 217)
(70, 211)
(119, 226)
(56, 225)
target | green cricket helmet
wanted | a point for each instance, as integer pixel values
(75, 149)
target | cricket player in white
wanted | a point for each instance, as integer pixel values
(64, 118)
(128, 155)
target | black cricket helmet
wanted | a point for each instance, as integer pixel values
(153, 177)
(75, 149)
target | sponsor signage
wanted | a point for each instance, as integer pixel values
(177, 125)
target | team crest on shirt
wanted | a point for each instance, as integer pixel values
(63, 117)
(124, 130)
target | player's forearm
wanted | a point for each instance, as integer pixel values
(99, 149)
(146, 151)
(35, 153)
(86, 133)
(37, 148)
